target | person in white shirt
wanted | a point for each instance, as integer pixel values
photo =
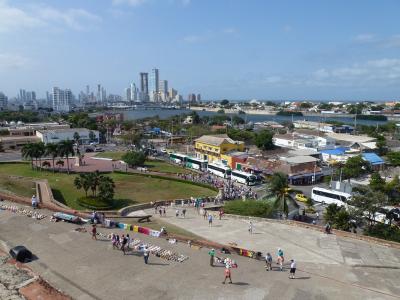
(34, 202)
(292, 269)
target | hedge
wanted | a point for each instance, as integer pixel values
(95, 203)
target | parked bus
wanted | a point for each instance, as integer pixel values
(330, 196)
(219, 170)
(244, 177)
(178, 158)
(196, 163)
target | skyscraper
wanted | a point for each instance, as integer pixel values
(87, 90)
(98, 96)
(62, 100)
(3, 101)
(128, 94)
(144, 86)
(134, 92)
(154, 85)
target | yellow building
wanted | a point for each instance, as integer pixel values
(213, 147)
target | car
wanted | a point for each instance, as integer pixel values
(87, 150)
(301, 198)
(98, 149)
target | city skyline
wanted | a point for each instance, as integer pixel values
(263, 49)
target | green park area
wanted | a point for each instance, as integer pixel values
(152, 165)
(129, 188)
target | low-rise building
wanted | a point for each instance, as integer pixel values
(211, 147)
(21, 129)
(234, 159)
(13, 142)
(58, 135)
(297, 140)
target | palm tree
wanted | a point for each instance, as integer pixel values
(94, 179)
(39, 152)
(28, 152)
(83, 181)
(77, 137)
(66, 148)
(279, 186)
(52, 150)
(106, 188)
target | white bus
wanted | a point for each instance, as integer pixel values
(178, 158)
(330, 196)
(244, 177)
(219, 170)
(196, 163)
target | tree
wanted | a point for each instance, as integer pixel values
(392, 189)
(39, 150)
(52, 150)
(355, 167)
(83, 182)
(106, 188)
(376, 183)
(28, 152)
(66, 148)
(134, 158)
(224, 102)
(279, 186)
(394, 158)
(92, 136)
(381, 145)
(236, 120)
(263, 140)
(367, 203)
(338, 217)
(77, 137)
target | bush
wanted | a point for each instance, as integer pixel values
(134, 158)
(249, 208)
(96, 203)
(383, 231)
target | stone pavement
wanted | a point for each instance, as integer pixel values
(88, 269)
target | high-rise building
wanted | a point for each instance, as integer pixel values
(3, 101)
(103, 95)
(192, 98)
(87, 90)
(128, 94)
(62, 100)
(98, 96)
(144, 86)
(163, 87)
(154, 85)
(134, 92)
(198, 98)
(172, 93)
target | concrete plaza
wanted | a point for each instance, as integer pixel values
(88, 269)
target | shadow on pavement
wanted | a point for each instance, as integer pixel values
(240, 283)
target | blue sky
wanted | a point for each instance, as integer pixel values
(235, 49)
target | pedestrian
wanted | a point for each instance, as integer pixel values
(204, 214)
(317, 215)
(268, 262)
(292, 269)
(221, 213)
(34, 202)
(164, 212)
(94, 232)
(251, 227)
(146, 255)
(212, 254)
(184, 212)
(227, 274)
(160, 211)
(210, 219)
(177, 213)
(280, 259)
(124, 242)
(328, 228)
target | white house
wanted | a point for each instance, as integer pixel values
(58, 135)
(303, 141)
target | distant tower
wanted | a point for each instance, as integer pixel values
(154, 85)
(98, 96)
(144, 86)
(87, 90)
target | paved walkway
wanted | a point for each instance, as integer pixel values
(88, 269)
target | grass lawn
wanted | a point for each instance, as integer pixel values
(130, 189)
(152, 165)
(20, 186)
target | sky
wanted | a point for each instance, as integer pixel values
(234, 49)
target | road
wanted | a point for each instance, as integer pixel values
(88, 269)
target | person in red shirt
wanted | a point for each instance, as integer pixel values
(227, 274)
(94, 232)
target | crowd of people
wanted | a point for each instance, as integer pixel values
(230, 190)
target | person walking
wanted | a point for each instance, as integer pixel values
(184, 212)
(280, 259)
(212, 254)
(164, 212)
(124, 242)
(210, 220)
(94, 232)
(146, 255)
(177, 213)
(34, 202)
(292, 269)
(317, 216)
(268, 262)
(227, 274)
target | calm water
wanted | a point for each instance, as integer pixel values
(163, 114)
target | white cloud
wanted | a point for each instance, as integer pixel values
(194, 38)
(13, 18)
(129, 2)
(198, 38)
(365, 38)
(12, 61)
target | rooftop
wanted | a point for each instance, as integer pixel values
(216, 140)
(350, 138)
(61, 130)
(300, 159)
